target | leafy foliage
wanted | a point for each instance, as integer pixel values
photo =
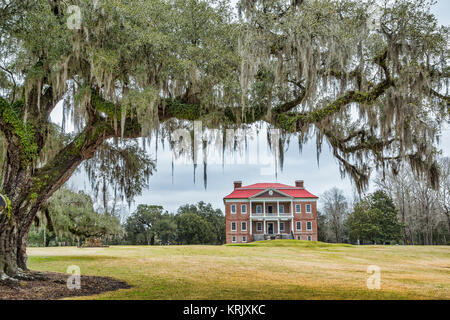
(374, 219)
(149, 224)
(193, 224)
(193, 229)
(306, 67)
(214, 217)
(72, 214)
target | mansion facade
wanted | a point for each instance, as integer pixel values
(270, 211)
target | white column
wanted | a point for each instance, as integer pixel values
(264, 207)
(278, 208)
(278, 226)
(292, 207)
(251, 212)
(264, 224)
(251, 225)
(292, 225)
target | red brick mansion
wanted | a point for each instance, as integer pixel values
(270, 211)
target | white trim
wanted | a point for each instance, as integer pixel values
(280, 206)
(310, 222)
(259, 205)
(244, 206)
(259, 223)
(271, 199)
(273, 216)
(310, 208)
(309, 238)
(273, 189)
(235, 209)
(242, 222)
(231, 227)
(244, 238)
(282, 224)
(296, 226)
(233, 239)
(300, 206)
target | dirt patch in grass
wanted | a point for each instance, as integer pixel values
(55, 287)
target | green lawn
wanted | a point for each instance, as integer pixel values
(279, 269)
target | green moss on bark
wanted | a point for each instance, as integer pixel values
(24, 131)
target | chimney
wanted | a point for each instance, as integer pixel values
(299, 184)
(237, 184)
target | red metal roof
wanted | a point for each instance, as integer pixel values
(250, 190)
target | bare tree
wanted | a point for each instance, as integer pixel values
(423, 211)
(335, 208)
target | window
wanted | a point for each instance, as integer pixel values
(259, 226)
(281, 208)
(244, 226)
(309, 226)
(244, 239)
(297, 208)
(244, 209)
(233, 239)
(233, 226)
(281, 226)
(269, 209)
(308, 208)
(299, 238)
(299, 225)
(309, 238)
(258, 208)
(233, 208)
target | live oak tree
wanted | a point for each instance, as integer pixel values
(72, 214)
(368, 80)
(214, 217)
(148, 224)
(194, 229)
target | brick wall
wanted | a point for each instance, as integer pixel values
(238, 218)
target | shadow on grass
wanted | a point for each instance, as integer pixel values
(290, 243)
(44, 259)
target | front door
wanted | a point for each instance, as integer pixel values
(270, 227)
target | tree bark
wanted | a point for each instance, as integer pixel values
(8, 248)
(29, 189)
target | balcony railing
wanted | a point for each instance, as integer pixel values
(271, 214)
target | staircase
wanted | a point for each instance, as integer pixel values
(259, 237)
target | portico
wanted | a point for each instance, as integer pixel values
(273, 215)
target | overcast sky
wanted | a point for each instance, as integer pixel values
(297, 166)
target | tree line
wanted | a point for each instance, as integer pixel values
(69, 218)
(404, 210)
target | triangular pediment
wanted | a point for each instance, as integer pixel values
(271, 193)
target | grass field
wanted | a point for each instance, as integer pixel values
(279, 269)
